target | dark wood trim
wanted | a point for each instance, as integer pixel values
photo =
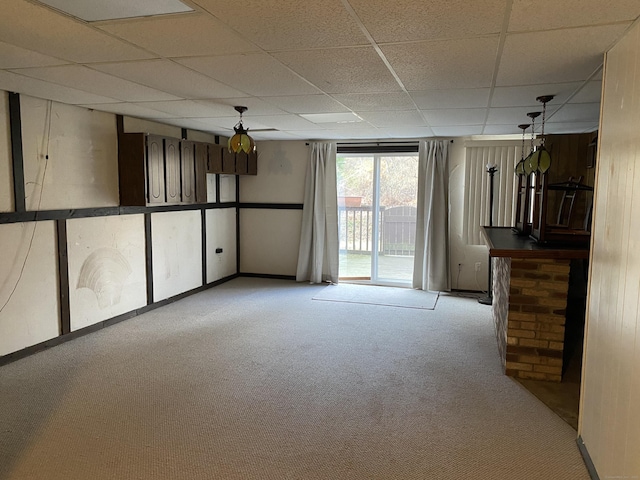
(217, 188)
(378, 148)
(203, 220)
(148, 256)
(119, 124)
(46, 215)
(17, 159)
(184, 134)
(273, 206)
(591, 468)
(63, 276)
(267, 275)
(25, 352)
(237, 224)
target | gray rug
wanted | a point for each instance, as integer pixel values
(376, 295)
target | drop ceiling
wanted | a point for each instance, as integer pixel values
(336, 69)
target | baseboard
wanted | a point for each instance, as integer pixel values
(25, 352)
(267, 275)
(587, 459)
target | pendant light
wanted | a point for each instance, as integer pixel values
(519, 169)
(528, 167)
(241, 141)
(541, 160)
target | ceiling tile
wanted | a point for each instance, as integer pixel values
(274, 136)
(307, 104)
(94, 11)
(42, 30)
(389, 119)
(516, 115)
(581, 54)
(590, 93)
(577, 112)
(239, 71)
(285, 24)
(457, 116)
(550, 14)
(181, 35)
(457, 131)
(430, 65)
(255, 106)
(571, 127)
(452, 98)
(37, 88)
(16, 57)
(169, 77)
(524, 96)
(364, 102)
(407, 132)
(83, 78)
(129, 109)
(181, 108)
(504, 130)
(342, 70)
(282, 122)
(410, 20)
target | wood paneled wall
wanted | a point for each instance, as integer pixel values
(610, 413)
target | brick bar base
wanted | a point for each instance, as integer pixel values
(535, 317)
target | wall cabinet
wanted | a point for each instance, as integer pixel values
(155, 170)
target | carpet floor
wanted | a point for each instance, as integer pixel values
(377, 295)
(254, 380)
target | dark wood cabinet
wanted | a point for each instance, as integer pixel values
(188, 171)
(214, 161)
(227, 163)
(200, 181)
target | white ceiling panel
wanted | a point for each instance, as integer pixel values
(451, 98)
(532, 58)
(255, 106)
(239, 71)
(389, 119)
(366, 102)
(504, 130)
(456, 116)
(181, 35)
(411, 20)
(590, 93)
(274, 136)
(551, 14)
(42, 30)
(432, 65)
(91, 81)
(457, 131)
(283, 24)
(342, 70)
(181, 108)
(129, 109)
(96, 10)
(571, 127)
(577, 112)
(526, 95)
(12, 82)
(16, 57)
(201, 124)
(307, 104)
(168, 76)
(399, 131)
(516, 115)
(282, 122)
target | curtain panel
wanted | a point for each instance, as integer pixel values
(318, 256)
(431, 270)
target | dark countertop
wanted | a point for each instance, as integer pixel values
(504, 242)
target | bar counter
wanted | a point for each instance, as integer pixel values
(530, 285)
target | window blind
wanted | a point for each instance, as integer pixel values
(476, 192)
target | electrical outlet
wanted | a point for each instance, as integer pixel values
(478, 265)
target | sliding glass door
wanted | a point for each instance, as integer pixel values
(377, 216)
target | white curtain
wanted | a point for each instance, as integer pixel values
(476, 188)
(318, 254)
(431, 269)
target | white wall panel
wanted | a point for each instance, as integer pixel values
(29, 309)
(6, 183)
(282, 166)
(177, 253)
(106, 267)
(82, 168)
(221, 233)
(610, 417)
(269, 241)
(227, 188)
(211, 187)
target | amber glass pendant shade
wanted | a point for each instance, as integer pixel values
(241, 141)
(544, 160)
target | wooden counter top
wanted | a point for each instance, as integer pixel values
(503, 242)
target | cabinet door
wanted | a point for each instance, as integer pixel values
(188, 164)
(241, 163)
(172, 169)
(155, 170)
(202, 155)
(228, 162)
(214, 162)
(252, 164)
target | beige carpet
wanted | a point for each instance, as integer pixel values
(377, 295)
(254, 380)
